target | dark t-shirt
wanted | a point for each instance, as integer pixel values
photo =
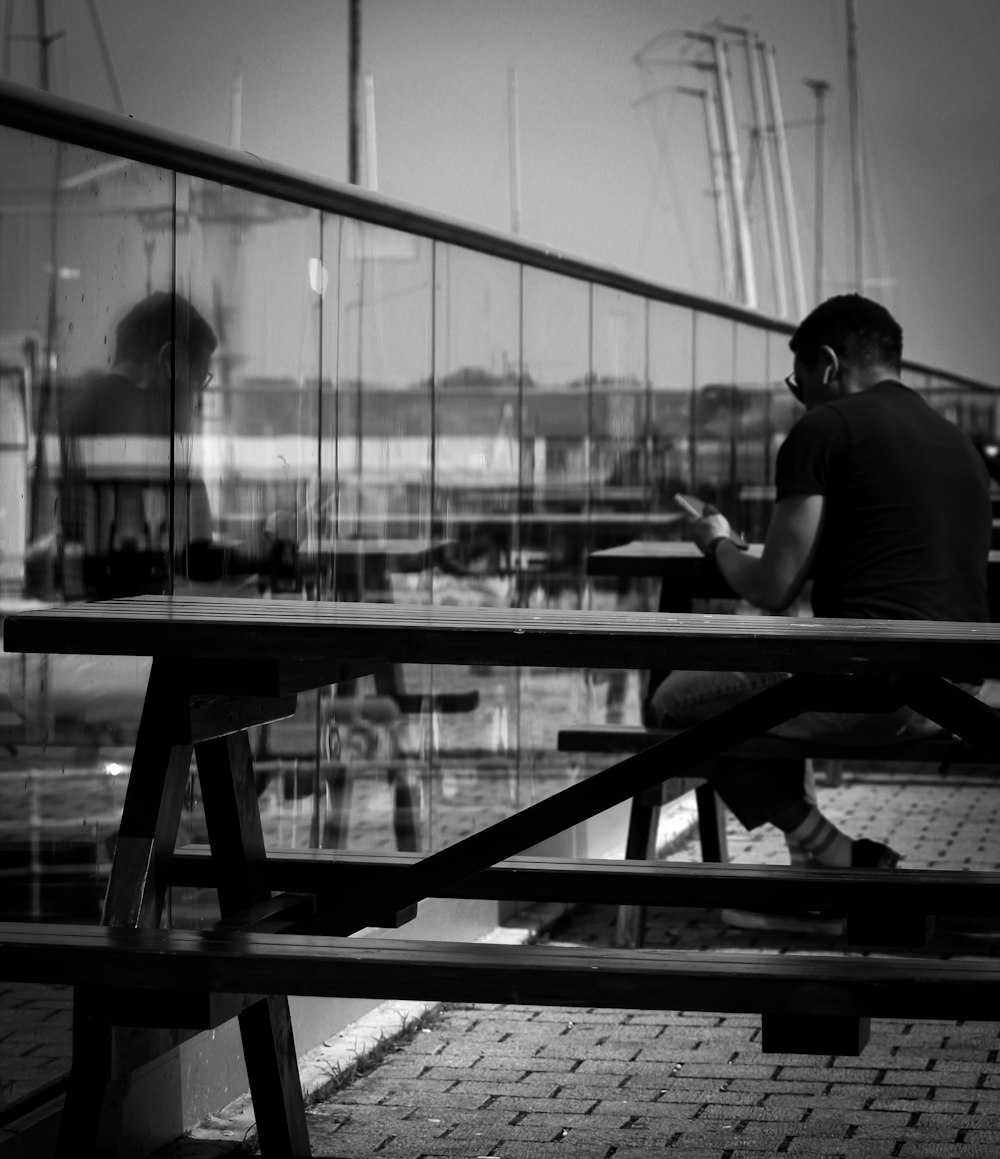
(907, 520)
(117, 461)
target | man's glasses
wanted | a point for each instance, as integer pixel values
(206, 381)
(794, 386)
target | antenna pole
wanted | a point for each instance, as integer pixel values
(855, 124)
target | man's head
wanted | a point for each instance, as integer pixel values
(164, 341)
(847, 343)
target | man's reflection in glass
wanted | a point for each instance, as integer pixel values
(125, 433)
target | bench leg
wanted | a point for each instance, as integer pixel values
(814, 1034)
(337, 819)
(711, 824)
(102, 1053)
(239, 861)
(90, 1123)
(640, 845)
(405, 809)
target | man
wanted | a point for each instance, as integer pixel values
(123, 434)
(884, 505)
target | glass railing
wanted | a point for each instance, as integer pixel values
(223, 377)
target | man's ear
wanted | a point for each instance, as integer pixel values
(165, 360)
(829, 356)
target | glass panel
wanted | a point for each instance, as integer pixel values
(616, 496)
(85, 461)
(378, 462)
(619, 498)
(476, 501)
(477, 382)
(248, 453)
(715, 403)
(253, 439)
(784, 410)
(554, 451)
(752, 422)
(556, 433)
(671, 362)
(374, 532)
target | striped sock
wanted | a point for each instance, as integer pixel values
(821, 840)
(798, 858)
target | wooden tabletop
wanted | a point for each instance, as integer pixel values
(561, 518)
(669, 559)
(665, 559)
(205, 628)
(410, 554)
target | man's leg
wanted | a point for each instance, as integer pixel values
(752, 790)
(798, 857)
(779, 792)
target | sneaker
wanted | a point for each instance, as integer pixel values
(867, 854)
(788, 921)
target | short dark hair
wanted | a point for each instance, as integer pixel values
(855, 328)
(160, 318)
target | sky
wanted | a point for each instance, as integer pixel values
(614, 161)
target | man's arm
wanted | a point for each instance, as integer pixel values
(773, 579)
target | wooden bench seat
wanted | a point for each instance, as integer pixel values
(942, 750)
(618, 738)
(882, 910)
(819, 1003)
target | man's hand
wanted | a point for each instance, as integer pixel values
(711, 525)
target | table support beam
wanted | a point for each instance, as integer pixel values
(575, 804)
(239, 860)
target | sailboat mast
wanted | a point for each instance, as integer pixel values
(723, 217)
(514, 151)
(819, 89)
(777, 120)
(737, 187)
(854, 106)
(353, 101)
(752, 47)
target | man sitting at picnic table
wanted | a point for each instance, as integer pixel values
(884, 505)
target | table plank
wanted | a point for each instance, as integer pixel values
(657, 979)
(330, 874)
(675, 560)
(182, 627)
(660, 559)
(351, 554)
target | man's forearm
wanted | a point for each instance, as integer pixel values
(750, 577)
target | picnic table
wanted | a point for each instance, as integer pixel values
(220, 666)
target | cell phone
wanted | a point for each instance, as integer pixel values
(690, 503)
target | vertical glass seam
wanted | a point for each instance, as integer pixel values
(172, 454)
